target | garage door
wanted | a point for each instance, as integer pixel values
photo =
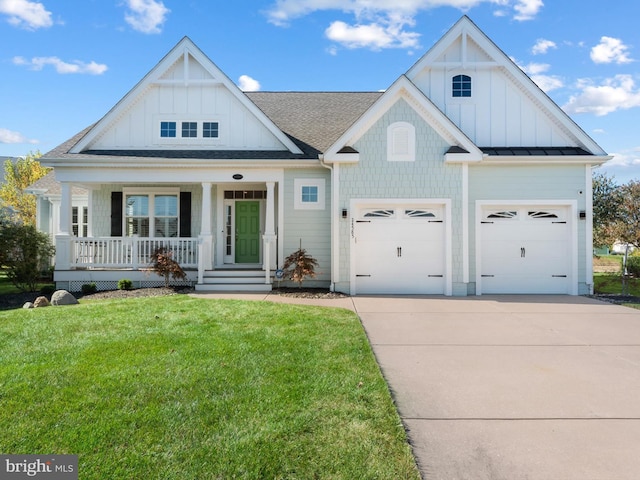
(525, 250)
(400, 250)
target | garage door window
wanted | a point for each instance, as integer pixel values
(537, 214)
(379, 214)
(504, 214)
(419, 214)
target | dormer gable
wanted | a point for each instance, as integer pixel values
(185, 103)
(342, 150)
(500, 105)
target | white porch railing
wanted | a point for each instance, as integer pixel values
(130, 252)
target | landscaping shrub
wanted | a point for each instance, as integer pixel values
(89, 288)
(299, 265)
(163, 264)
(25, 252)
(633, 266)
(47, 289)
(125, 284)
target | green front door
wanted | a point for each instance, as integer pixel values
(247, 232)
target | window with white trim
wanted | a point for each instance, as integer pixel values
(461, 86)
(189, 130)
(79, 221)
(151, 214)
(401, 142)
(309, 193)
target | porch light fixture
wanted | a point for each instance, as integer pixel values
(237, 176)
(344, 213)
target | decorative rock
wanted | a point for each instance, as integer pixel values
(62, 297)
(41, 302)
(28, 305)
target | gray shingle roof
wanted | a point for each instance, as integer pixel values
(313, 120)
(51, 186)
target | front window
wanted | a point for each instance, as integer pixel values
(151, 215)
(137, 215)
(167, 129)
(210, 129)
(309, 194)
(461, 86)
(79, 221)
(166, 215)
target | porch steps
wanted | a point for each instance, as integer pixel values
(233, 281)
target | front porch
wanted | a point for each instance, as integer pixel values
(214, 260)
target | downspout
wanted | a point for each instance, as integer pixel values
(334, 248)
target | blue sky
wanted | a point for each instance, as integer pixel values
(64, 64)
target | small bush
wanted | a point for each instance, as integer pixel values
(47, 289)
(163, 264)
(88, 288)
(125, 284)
(299, 265)
(633, 266)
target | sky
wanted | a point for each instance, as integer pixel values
(65, 63)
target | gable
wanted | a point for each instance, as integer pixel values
(404, 91)
(185, 89)
(506, 108)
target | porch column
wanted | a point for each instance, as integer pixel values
(206, 235)
(269, 236)
(63, 236)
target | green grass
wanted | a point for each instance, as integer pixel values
(612, 284)
(179, 387)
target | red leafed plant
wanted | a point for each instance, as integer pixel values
(163, 264)
(299, 265)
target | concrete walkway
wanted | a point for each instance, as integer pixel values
(509, 387)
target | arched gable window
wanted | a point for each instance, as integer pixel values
(401, 142)
(461, 86)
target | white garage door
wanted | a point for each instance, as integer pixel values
(400, 250)
(525, 250)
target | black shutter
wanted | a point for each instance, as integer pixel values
(185, 214)
(116, 214)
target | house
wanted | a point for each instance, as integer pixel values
(462, 178)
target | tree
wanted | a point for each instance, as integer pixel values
(627, 227)
(24, 251)
(163, 264)
(607, 201)
(299, 265)
(18, 175)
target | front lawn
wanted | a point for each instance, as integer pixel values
(178, 387)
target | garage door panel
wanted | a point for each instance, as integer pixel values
(400, 253)
(525, 252)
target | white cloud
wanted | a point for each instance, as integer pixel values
(617, 93)
(248, 84)
(38, 63)
(610, 50)
(373, 35)
(146, 16)
(542, 46)
(383, 23)
(8, 136)
(545, 82)
(527, 9)
(626, 158)
(26, 14)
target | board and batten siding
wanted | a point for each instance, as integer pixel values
(499, 112)
(428, 177)
(139, 126)
(101, 205)
(313, 227)
(528, 182)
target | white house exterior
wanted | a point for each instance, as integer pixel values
(462, 178)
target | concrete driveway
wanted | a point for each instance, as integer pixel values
(512, 387)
